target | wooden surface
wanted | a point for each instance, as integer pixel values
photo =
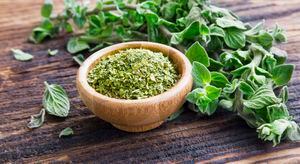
(136, 115)
(221, 138)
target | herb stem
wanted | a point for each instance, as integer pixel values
(46, 83)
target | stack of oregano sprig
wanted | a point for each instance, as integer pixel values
(235, 65)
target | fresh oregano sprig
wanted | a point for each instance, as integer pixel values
(235, 65)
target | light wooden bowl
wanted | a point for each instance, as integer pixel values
(136, 115)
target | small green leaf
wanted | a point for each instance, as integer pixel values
(212, 92)
(75, 45)
(21, 56)
(226, 104)
(197, 53)
(226, 23)
(55, 100)
(200, 97)
(230, 88)
(246, 89)
(279, 35)
(66, 132)
(215, 65)
(234, 38)
(260, 71)
(79, 59)
(218, 80)
(282, 73)
(277, 111)
(216, 31)
(47, 8)
(229, 60)
(263, 38)
(176, 114)
(168, 10)
(256, 29)
(201, 74)
(280, 55)
(52, 52)
(190, 32)
(37, 120)
(284, 94)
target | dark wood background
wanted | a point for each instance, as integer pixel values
(223, 137)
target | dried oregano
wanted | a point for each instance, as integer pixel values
(133, 74)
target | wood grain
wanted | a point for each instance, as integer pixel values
(221, 138)
(136, 115)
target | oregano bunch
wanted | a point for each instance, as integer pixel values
(236, 66)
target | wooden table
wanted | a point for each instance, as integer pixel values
(223, 137)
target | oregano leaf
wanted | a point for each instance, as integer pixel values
(37, 120)
(55, 100)
(66, 132)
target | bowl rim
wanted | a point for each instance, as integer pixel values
(179, 85)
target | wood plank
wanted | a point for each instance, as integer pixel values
(221, 138)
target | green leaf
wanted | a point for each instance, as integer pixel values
(215, 65)
(79, 59)
(216, 31)
(256, 29)
(230, 88)
(279, 35)
(66, 132)
(176, 114)
(214, 45)
(284, 94)
(282, 74)
(229, 60)
(218, 80)
(55, 100)
(38, 35)
(212, 92)
(193, 15)
(20, 55)
(201, 74)
(76, 45)
(226, 104)
(278, 111)
(263, 97)
(47, 8)
(227, 23)
(37, 120)
(293, 132)
(234, 38)
(52, 52)
(260, 71)
(279, 55)
(242, 55)
(246, 89)
(239, 71)
(197, 53)
(190, 32)
(205, 99)
(168, 10)
(46, 29)
(263, 38)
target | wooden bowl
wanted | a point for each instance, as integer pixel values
(136, 115)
